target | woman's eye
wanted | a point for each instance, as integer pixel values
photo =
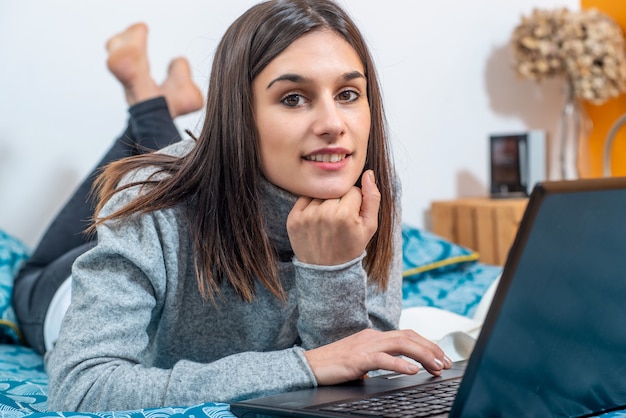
(348, 96)
(293, 100)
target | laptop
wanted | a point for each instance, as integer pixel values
(554, 339)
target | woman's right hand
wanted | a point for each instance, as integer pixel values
(352, 357)
(334, 231)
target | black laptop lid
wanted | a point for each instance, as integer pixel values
(557, 333)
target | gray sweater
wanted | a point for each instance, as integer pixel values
(138, 334)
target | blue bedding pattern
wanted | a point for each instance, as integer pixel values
(441, 274)
(23, 381)
(24, 385)
(13, 253)
(458, 291)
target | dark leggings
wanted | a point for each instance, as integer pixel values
(150, 127)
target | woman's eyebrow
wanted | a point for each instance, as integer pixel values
(352, 75)
(296, 78)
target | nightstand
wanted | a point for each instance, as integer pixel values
(483, 224)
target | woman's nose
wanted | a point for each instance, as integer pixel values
(329, 119)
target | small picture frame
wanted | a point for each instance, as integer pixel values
(517, 163)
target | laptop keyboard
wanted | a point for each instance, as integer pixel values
(423, 401)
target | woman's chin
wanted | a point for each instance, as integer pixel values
(328, 194)
(319, 190)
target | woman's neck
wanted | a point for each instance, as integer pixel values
(276, 203)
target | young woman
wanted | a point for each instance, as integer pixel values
(264, 256)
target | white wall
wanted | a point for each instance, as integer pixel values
(444, 66)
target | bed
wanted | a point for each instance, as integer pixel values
(437, 274)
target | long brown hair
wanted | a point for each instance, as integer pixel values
(219, 179)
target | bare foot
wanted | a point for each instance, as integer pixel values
(128, 61)
(181, 93)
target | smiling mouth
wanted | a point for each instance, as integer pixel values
(326, 158)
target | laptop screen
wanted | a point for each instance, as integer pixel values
(558, 344)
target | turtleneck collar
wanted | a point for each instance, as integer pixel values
(276, 203)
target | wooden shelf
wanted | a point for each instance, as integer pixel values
(482, 224)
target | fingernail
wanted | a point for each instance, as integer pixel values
(372, 177)
(447, 360)
(439, 363)
(412, 368)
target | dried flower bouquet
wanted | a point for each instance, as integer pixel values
(586, 47)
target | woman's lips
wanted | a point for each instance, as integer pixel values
(328, 161)
(326, 158)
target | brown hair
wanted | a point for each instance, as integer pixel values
(228, 231)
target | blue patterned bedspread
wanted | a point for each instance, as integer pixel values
(442, 274)
(24, 384)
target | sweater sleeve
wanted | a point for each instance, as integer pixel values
(337, 301)
(102, 359)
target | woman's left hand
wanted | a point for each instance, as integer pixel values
(335, 231)
(367, 350)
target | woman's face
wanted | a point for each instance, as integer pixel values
(313, 117)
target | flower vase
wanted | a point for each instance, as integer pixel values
(572, 146)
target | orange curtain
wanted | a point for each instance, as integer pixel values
(603, 117)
